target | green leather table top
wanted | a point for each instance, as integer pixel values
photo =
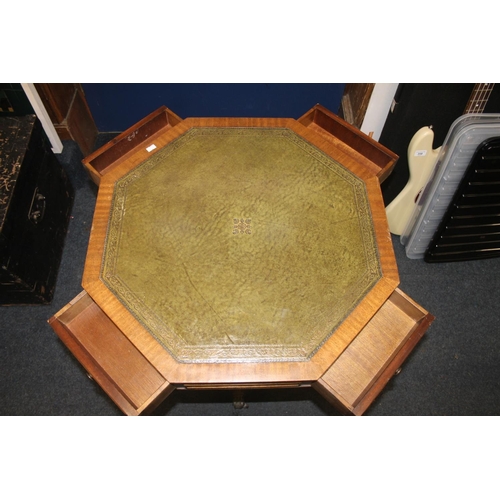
(240, 244)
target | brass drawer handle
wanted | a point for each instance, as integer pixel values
(37, 208)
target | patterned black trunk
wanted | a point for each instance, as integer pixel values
(36, 198)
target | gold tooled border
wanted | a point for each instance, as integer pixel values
(175, 345)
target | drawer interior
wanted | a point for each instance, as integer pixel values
(108, 356)
(367, 364)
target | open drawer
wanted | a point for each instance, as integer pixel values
(351, 384)
(350, 140)
(109, 357)
(361, 372)
(105, 158)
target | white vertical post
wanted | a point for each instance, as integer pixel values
(41, 113)
(378, 109)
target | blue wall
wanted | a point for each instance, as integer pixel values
(115, 107)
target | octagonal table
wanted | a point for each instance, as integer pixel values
(237, 254)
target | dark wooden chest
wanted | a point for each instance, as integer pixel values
(36, 198)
